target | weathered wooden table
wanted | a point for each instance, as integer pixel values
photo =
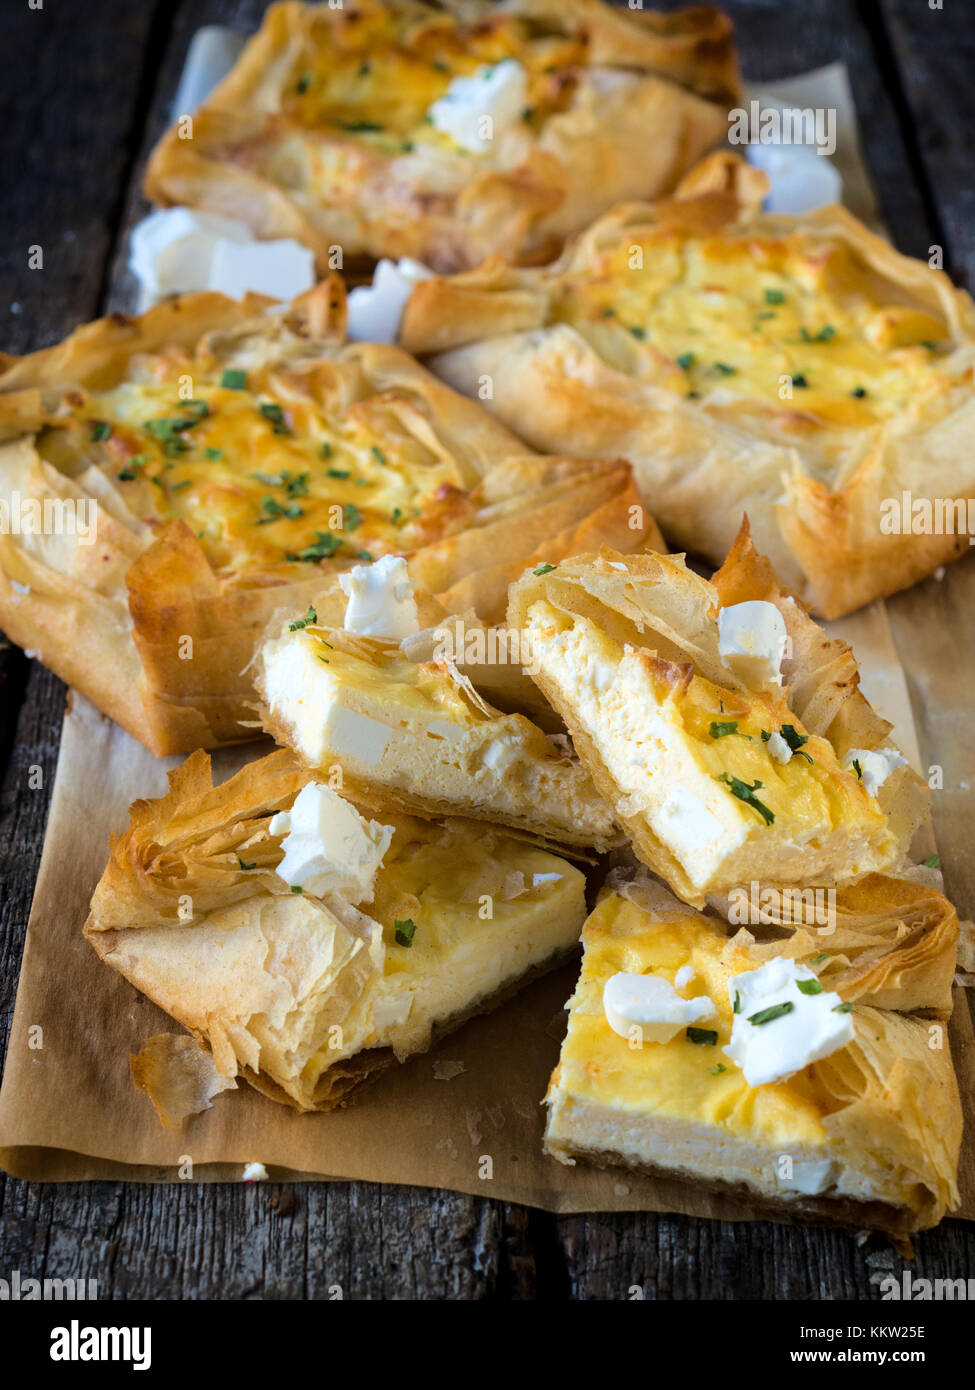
(86, 93)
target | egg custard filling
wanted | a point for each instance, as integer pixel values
(684, 1106)
(418, 735)
(725, 785)
(796, 324)
(270, 465)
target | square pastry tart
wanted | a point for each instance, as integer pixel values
(775, 1068)
(306, 946)
(173, 479)
(444, 132)
(797, 369)
(726, 731)
(415, 735)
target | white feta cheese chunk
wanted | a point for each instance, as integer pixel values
(752, 640)
(381, 602)
(778, 748)
(800, 178)
(685, 976)
(875, 767)
(545, 878)
(328, 846)
(651, 1006)
(810, 1176)
(254, 1172)
(784, 1020)
(375, 311)
(685, 824)
(179, 251)
(474, 111)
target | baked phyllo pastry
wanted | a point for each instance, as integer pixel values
(723, 727)
(764, 1068)
(445, 132)
(416, 735)
(169, 481)
(798, 369)
(308, 946)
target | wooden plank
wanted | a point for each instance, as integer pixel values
(935, 54)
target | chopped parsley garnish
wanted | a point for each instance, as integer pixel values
(361, 127)
(364, 555)
(527, 112)
(199, 408)
(609, 312)
(823, 336)
(773, 1012)
(323, 547)
(725, 369)
(795, 740)
(338, 472)
(233, 379)
(774, 297)
(246, 866)
(543, 569)
(296, 888)
(722, 728)
(213, 454)
(100, 430)
(326, 450)
(843, 1009)
(274, 510)
(273, 412)
(137, 461)
(818, 960)
(351, 517)
(857, 768)
(800, 382)
(296, 487)
(809, 987)
(736, 1006)
(310, 617)
(719, 1069)
(378, 454)
(859, 392)
(397, 516)
(686, 361)
(933, 861)
(405, 931)
(178, 487)
(638, 332)
(704, 1037)
(302, 85)
(165, 427)
(746, 793)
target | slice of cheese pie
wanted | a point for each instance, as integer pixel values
(416, 735)
(307, 946)
(765, 1067)
(726, 731)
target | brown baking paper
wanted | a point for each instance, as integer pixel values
(69, 1109)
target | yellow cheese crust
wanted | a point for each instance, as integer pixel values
(881, 1115)
(237, 460)
(796, 369)
(321, 130)
(306, 997)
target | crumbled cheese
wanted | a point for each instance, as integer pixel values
(375, 311)
(778, 748)
(381, 601)
(328, 846)
(475, 110)
(685, 976)
(806, 1031)
(875, 767)
(651, 1006)
(254, 1172)
(752, 640)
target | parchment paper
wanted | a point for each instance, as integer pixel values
(69, 1110)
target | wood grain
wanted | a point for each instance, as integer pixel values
(82, 106)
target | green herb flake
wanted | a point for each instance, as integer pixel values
(736, 1007)
(722, 728)
(364, 555)
(638, 332)
(809, 987)
(338, 473)
(543, 569)
(818, 960)
(100, 431)
(405, 929)
(246, 866)
(719, 1070)
(774, 297)
(351, 517)
(857, 768)
(773, 1012)
(799, 382)
(233, 379)
(725, 369)
(703, 1037)
(933, 861)
(378, 454)
(323, 547)
(859, 392)
(685, 361)
(213, 454)
(272, 411)
(295, 888)
(843, 1009)
(310, 617)
(795, 740)
(746, 793)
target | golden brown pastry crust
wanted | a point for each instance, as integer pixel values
(182, 896)
(629, 132)
(815, 491)
(116, 618)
